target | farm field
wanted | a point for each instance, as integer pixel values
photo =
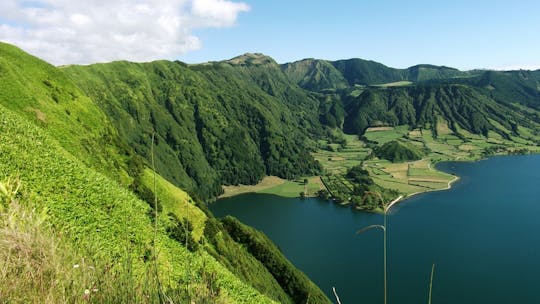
(277, 186)
(417, 176)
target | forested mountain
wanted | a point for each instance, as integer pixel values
(356, 94)
(318, 75)
(217, 123)
(421, 106)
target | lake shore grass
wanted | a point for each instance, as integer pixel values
(278, 186)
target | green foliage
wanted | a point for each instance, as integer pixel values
(323, 194)
(315, 75)
(106, 223)
(181, 231)
(242, 263)
(398, 151)
(359, 176)
(46, 97)
(203, 114)
(291, 280)
(321, 75)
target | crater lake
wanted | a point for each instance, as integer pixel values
(482, 235)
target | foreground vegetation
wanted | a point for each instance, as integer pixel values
(92, 221)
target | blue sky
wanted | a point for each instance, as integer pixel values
(463, 34)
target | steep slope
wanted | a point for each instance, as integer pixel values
(202, 114)
(423, 106)
(364, 72)
(79, 169)
(315, 75)
(45, 96)
(521, 87)
(101, 219)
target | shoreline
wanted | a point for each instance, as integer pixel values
(448, 187)
(282, 187)
(262, 185)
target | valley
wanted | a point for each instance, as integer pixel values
(123, 158)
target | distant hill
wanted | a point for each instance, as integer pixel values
(356, 94)
(398, 151)
(319, 75)
(461, 107)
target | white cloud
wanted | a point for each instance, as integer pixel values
(67, 31)
(218, 12)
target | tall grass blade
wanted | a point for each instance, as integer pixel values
(369, 228)
(336, 295)
(431, 282)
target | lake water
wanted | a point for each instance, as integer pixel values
(483, 236)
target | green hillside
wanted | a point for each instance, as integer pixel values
(315, 75)
(47, 98)
(398, 151)
(423, 72)
(201, 115)
(319, 75)
(99, 217)
(421, 106)
(77, 173)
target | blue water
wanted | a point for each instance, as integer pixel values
(483, 236)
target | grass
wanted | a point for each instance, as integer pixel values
(278, 186)
(338, 162)
(103, 223)
(293, 188)
(177, 201)
(394, 84)
(266, 183)
(385, 135)
(420, 176)
(44, 96)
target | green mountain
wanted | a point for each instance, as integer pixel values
(315, 75)
(423, 72)
(77, 189)
(202, 114)
(424, 106)
(318, 75)
(356, 94)
(522, 87)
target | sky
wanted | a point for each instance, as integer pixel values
(463, 34)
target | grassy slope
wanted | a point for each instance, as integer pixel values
(46, 97)
(96, 214)
(83, 201)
